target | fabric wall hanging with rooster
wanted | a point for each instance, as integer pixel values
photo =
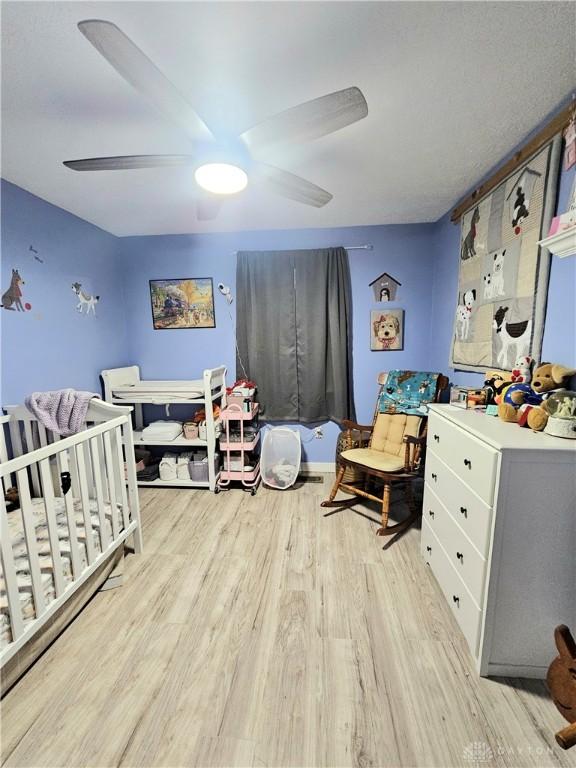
(503, 276)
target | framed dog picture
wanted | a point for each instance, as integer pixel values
(386, 330)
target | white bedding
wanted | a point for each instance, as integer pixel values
(21, 555)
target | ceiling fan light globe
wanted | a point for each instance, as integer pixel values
(221, 178)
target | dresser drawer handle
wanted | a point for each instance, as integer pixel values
(437, 438)
(464, 511)
(456, 599)
(429, 549)
(431, 513)
(468, 463)
(434, 477)
(460, 556)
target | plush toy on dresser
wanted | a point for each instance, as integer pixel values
(526, 404)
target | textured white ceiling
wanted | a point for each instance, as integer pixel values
(451, 87)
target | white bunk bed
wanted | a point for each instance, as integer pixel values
(77, 505)
(124, 385)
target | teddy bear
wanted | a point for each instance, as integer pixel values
(522, 371)
(525, 404)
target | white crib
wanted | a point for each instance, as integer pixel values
(78, 503)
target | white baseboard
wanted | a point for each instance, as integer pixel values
(317, 466)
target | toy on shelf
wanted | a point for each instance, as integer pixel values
(561, 409)
(468, 397)
(522, 371)
(528, 404)
(495, 385)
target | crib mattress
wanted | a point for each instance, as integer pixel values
(22, 563)
(160, 391)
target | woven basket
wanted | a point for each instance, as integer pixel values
(344, 443)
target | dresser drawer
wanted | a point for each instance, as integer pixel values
(467, 613)
(472, 514)
(469, 458)
(469, 564)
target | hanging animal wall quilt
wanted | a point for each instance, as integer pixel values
(503, 277)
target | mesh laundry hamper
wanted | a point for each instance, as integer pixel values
(280, 460)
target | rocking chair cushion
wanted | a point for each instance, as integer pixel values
(390, 430)
(373, 459)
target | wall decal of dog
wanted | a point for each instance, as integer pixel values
(513, 336)
(463, 313)
(387, 332)
(85, 299)
(468, 244)
(13, 296)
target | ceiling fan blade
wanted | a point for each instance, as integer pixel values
(293, 187)
(137, 69)
(208, 207)
(310, 120)
(128, 162)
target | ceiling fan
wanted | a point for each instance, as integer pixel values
(220, 168)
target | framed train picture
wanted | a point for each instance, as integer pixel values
(182, 303)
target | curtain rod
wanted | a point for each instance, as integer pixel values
(366, 247)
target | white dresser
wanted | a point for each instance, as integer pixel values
(499, 534)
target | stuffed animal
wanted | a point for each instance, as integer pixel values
(496, 383)
(522, 371)
(527, 404)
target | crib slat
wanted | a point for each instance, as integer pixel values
(5, 480)
(31, 542)
(117, 445)
(97, 472)
(64, 466)
(42, 436)
(111, 484)
(9, 570)
(48, 496)
(74, 474)
(133, 486)
(15, 437)
(85, 499)
(31, 446)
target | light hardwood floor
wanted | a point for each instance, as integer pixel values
(255, 631)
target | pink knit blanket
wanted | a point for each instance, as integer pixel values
(62, 411)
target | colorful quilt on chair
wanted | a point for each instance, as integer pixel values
(408, 392)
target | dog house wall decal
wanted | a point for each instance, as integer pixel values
(385, 287)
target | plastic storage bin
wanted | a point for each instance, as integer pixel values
(199, 468)
(280, 460)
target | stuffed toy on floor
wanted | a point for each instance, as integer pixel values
(526, 404)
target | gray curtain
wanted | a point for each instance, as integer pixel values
(294, 331)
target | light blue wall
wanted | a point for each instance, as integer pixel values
(52, 346)
(403, 251)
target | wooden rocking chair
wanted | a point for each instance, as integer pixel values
(389, 451)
